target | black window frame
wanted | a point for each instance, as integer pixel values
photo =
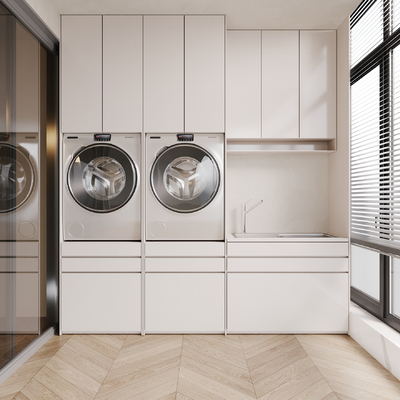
(380, 57)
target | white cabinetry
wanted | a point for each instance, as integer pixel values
(280, 84)
(81, 74)
(122, 73)
(243, 84)
(101, 74)
(204, 73)
(287, 287)
(288, 302)
(184, 302)
(163, 73)
(100, 303)
(318, 84)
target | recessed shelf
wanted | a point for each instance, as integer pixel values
(282, 146)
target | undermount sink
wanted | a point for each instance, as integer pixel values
(279, 235)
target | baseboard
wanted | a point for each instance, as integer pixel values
(379, 339)
(25, 354)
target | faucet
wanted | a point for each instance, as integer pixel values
(245, 211)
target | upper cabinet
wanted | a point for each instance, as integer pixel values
(318, 84)
(122, 73)
(81, 74)
(296, 71)
(204, 73)
(163, 73)
(101, 74)
(280, 84)
(243, 84)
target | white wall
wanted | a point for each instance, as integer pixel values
(48, 13)
(294, 189)
(339, 170)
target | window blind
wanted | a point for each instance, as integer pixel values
(375, 125)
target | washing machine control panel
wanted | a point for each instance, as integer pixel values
(101, 137)
(185, 137)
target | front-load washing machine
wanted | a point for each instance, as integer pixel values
(19, 187)
(101, 196)
(185, 186)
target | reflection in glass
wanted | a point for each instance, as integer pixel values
(365, 271)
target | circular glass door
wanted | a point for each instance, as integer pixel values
(17, 178)
(102, 178)
(185, 178)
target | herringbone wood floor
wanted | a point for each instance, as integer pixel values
(203, 367)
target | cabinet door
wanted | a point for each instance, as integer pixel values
(100, 302)
(81, 74)
(318, 84)
(288, 302)
(280, 84)
(163, 73)
(243, 84)
(184, 302)
(122, 73)
(204, 73)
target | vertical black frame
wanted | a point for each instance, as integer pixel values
(380, 57)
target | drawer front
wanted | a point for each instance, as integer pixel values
(179, 303)
(288, 303)
(19, 249)
(288, 264)
(101, 249)
(101, 264)
(288, 249)
(185, 264)
(14, 264)
(100, 303)
(185, 249)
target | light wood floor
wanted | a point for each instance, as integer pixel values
(211, 367)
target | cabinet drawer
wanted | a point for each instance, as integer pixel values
(288, 264)
(288, 249)
(101, 264)
(185, 249)
(19, 249)
(101, 249)
(18, 264)
(100, 303)
(185, 264)
(288, 303)
(179, 303)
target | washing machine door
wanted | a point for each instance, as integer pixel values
(17, 178)
(102, 178)
(185, 178)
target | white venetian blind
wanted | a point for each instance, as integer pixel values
(375, 127)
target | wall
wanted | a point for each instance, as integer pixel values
(339, 162)
(48, 13)
(294, 189)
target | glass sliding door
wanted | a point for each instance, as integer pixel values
(28, 170)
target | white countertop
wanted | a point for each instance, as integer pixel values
(329, 239)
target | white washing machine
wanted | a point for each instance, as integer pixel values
(185, 186)
(19, 187)
(101, 195)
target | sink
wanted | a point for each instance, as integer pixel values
(279, 235)
(255, 235)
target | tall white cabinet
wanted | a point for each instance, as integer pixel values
(204, 73)
(243, 84)
(122, 73)
(101, 74)
(318, 84)
(81, 74)
(163, 73)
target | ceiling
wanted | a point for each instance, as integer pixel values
(241, 14)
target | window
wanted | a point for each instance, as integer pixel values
(375, 158)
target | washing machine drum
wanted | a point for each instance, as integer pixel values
(185, 178)
(17, 178)
(102, 178)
